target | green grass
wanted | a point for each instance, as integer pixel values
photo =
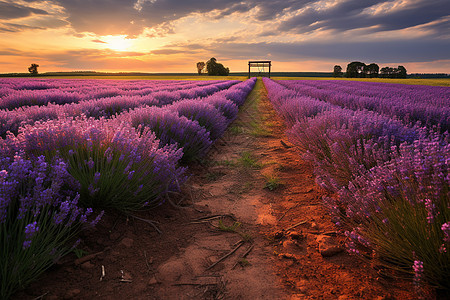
(236, 129)
(246, 237)
(273, 182)
(248, 160)
(232, 228)
(79, 253)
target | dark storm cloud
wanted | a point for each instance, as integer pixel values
(13, 11)
(353, 14)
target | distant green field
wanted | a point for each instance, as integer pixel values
(434, 82)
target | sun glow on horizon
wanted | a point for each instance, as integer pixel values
(117, 42)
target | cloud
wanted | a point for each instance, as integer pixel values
(11, 27)
(13, 11)
(131, 17)
(374, 14)
(99, 60)
(374, 51)
(10, 52)
(99, 41)
(281, 30)
(168, 51)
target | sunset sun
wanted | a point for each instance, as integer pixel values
(118, 42)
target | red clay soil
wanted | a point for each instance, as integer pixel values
(230, 236)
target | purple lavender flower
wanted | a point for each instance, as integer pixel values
(30, 231)
(431, 210)
(97, 176)
(418, 272)
(97, 219)
(64, 210)
(172, 129)
(446, 229)
(83, 217)
(204, 113)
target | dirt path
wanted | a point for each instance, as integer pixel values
(283, 240)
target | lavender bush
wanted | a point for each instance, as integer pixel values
(39, 219)
(30, 92)
(204, 113)
(340, 142)
(391, 178)
(401, 209)
(429, 105)
(96, 98)
(228, 109)
(172, 129)
(116, 166)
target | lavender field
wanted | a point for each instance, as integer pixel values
(71, 149)
(383, 151)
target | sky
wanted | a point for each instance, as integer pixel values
(173, 35)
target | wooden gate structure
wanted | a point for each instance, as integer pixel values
(260, 64)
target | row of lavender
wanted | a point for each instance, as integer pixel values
(91, 100)
(19, 92)
(391, 179)
(55, 171)
(429, 105)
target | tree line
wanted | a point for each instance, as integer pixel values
(357, 69)
(213, 68)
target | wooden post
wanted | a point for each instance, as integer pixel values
(258, 63)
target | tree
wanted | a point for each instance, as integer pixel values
(214, 68)
(401, 72)
(372, 70)
(33, 69)
(355, 69)
(389, 72)
(200, 67)
(386, 72)
(337, 71)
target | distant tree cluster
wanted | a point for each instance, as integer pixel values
(388, 72)
(429, 75)
(33, 69)
(213, 68)
(357, 69)
(337, 71)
